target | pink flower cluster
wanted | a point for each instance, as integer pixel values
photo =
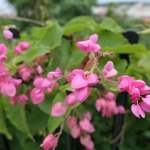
(8, 85)
(80, 81)
(82, 129)
(138, 90)
(44, 84)
(108, 105)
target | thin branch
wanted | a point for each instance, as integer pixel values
(120, 135)
(25, 20)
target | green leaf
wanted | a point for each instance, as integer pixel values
(49, 36)
(79, 23)
(111, 25)
(66, 56)
(129, 49)
(145, 61)
(16, 115)
(110, 40)
(34, 124)
(31, 54)
(3, 127)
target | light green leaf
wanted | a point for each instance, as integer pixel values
(110, 24)
(3, 127)
(79, 23)
(110, 40)
(16, 115)
(130, 49)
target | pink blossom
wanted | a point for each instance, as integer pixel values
(39, 69)
(144, 106)
(109, 71)
(86, 126)
(82, 94)
(13, 100)
(89, 45)
(87, 115)
(85, 140)
(70, 99)
(7, 34)
(71, 121)
(134, 94)
(100, 104)
(121, 109)
(146, 99)
(137, 111)
(37, 97)
(48, 142)
(24, 45)
(57, 73)
(145, 90)
(110, 96)
(23, 98)
(3, 49)
(8, 89)
(124, 85)
(17, 49)
(58, 109)
(75, 131)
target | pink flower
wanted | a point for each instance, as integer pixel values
(36, 96)
(3, 49)
(109, 71)
(39, 69)
(58, 109)
(100, 104)
(70, 99)
(8, 89)
(8, 34)
(85, 140)
(137, 111)
(86, 126)
(57, 73)
(71, 122)
(87, 115)
(23, 98)
(121, 109)
(146, 99)
(144, 106)
(24, 45)
(110, 96)
(75, 131)
(48, 142)
(82, 94)
(89, 45)
(80, 82)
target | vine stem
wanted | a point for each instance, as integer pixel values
(94, 64)
(61, 128)
(25, 20)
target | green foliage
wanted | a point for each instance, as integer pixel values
(3, 127)
(59, 46)
(16, 115)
